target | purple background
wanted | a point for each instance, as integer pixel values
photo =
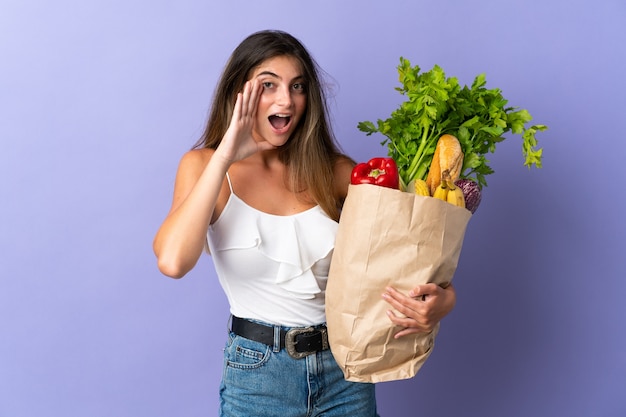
(99, 99)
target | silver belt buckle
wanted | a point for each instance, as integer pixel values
(290, 342)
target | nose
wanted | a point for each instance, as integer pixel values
(283, 97)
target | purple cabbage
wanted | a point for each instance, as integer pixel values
(471, 191)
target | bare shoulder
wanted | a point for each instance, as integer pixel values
(343, 170)
(196, 158)
(192, 163)
(190, 167)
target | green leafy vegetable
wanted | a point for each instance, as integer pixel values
(436, 105)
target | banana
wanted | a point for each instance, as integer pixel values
(421, 188)
(448, 191)
(455, 195)
(441, 192)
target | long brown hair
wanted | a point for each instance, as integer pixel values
(311, 152)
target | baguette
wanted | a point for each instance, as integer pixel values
(448, 156)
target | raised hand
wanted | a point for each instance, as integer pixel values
(239, 142)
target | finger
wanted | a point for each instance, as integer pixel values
(255, 94)
(408, 331)
(411, 320)
(401, 321)
(401, 301)
(423, 291)
(257, 89)
(415, 320)
(238, 107)
(245, 100)
(405, 316)
(407, 324)
(412, 312)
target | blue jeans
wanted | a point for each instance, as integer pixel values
(263, 381)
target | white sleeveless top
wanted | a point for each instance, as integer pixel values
(273, 268)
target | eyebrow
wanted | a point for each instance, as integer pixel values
(270, 73)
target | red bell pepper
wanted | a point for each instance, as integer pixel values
(377, 171)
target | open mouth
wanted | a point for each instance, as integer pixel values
(279, 121)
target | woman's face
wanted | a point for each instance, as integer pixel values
(283, 99)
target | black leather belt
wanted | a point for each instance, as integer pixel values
(299, 341)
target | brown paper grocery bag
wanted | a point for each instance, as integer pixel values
(386, 238)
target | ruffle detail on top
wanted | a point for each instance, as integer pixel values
(295, 242)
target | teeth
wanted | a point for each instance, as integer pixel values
(279, 121)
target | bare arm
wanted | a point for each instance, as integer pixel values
(180, 240)
(343, 169)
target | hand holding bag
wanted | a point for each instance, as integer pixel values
(386, 237)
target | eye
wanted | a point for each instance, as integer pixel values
(268, 84)
(300, 87)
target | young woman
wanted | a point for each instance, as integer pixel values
(263, 189)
